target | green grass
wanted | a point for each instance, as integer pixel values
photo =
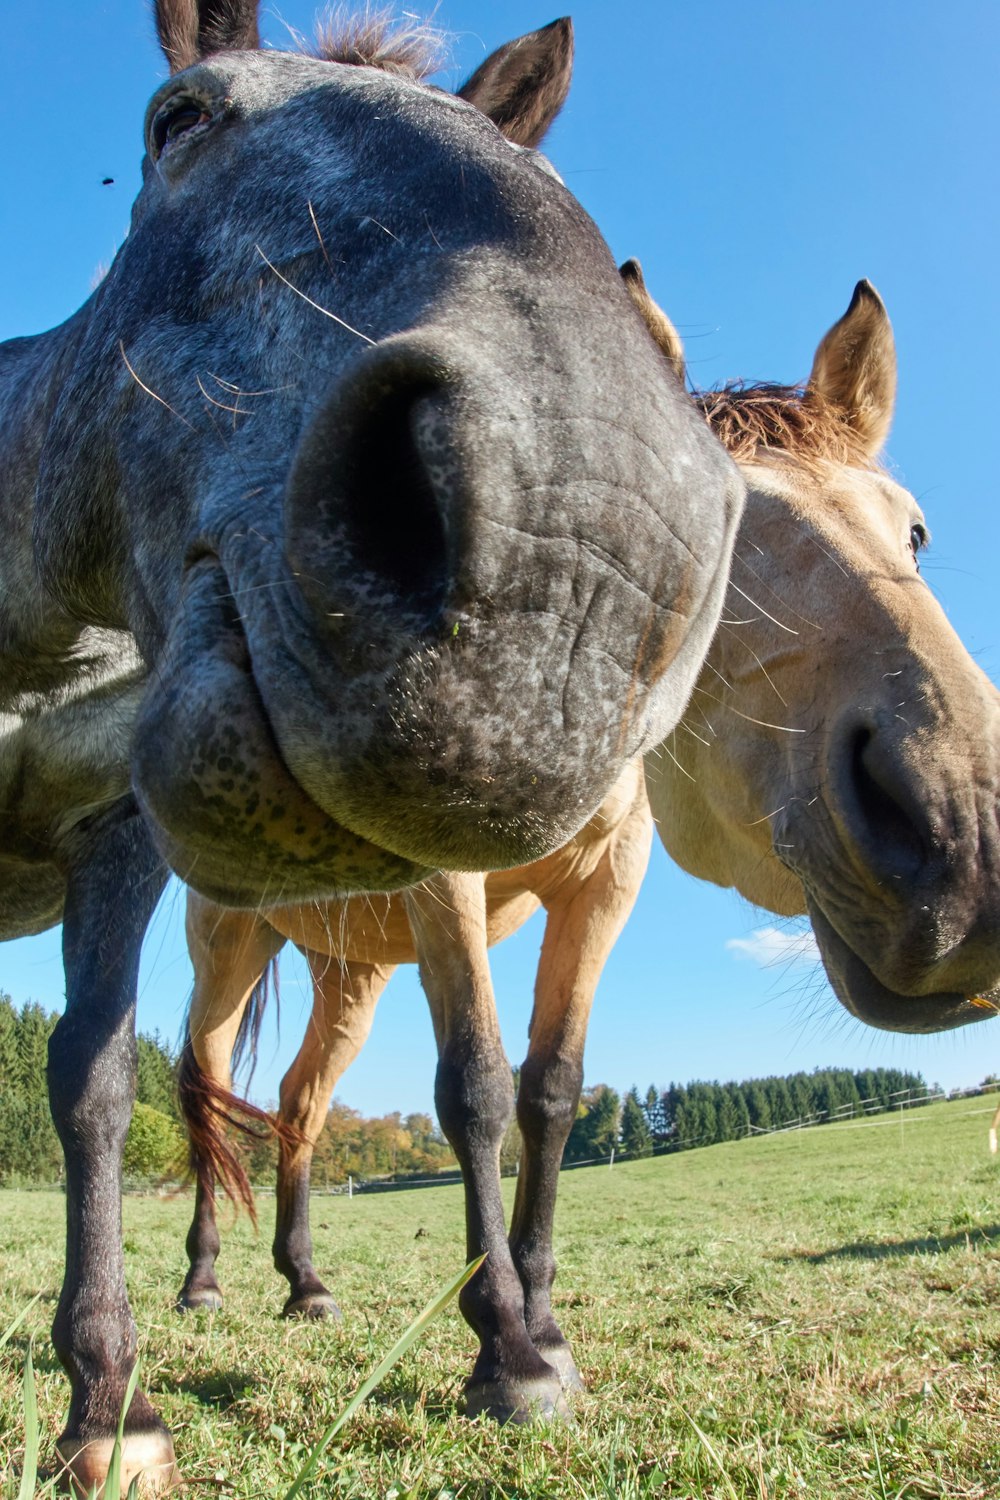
(810, 1315)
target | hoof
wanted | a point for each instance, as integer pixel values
(560, 1357)
(316, 1305)
(539, 1400)
(146, 1456)
(204, 1299)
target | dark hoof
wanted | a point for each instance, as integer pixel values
(560, 1357)
(316, 1305)
(147, 1457)
(539, 1400)
(200, 1299)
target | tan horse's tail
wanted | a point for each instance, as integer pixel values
(248, 1036)
(209, 1110)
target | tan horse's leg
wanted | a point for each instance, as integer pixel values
(474, 1095)
(994, 1127)
(230, 951)
(582, 928)
(344, 998)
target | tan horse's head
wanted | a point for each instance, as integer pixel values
(841, 753)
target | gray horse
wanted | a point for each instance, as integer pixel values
(356, 512)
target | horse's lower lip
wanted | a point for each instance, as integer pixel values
(866, 997)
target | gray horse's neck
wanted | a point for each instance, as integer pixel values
(40, 641)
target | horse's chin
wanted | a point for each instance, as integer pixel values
(227, 813)
(866, 997)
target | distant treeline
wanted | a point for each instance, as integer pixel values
(702, 1114)
(352, 1145)
(156, 1145)
(672, 1119)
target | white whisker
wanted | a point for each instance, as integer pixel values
(784, 728)
(144, 387)
(315, 225)
(763, 611)
(324, 310)
(784, 701)
(677, 763)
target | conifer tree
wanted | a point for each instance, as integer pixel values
(635, 1133)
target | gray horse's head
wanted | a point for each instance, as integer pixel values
(363, 440)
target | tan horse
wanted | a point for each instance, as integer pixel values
(587, 888)
(826, 616)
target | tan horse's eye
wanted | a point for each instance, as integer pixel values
(919, 539)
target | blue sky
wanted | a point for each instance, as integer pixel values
(758, 159)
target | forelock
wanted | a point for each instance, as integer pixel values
(374, 38)
(754, 421)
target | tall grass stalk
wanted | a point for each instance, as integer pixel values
(399, 1348)
(29, 1473)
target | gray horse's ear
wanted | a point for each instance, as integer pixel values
(523, 86)
(654, 317)
(192, 29)
(855, 367)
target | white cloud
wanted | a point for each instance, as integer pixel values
(769, 945)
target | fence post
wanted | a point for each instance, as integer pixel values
(350, 1186)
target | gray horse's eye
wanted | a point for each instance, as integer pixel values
(174, 119)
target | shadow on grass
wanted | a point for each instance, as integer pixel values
(888, 1249)
(221, 1389)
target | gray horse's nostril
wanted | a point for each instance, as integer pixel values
(392, 515)
(364, 504)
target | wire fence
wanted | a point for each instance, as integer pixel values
(900, 1102)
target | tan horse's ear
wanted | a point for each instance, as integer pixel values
(855, 367)
(523, 86)
(655, 319)
(191, 29)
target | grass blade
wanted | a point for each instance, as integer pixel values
(6, 1337)
(399, 1348)
(113, 1483)
(706, 1443)
(29, 1473)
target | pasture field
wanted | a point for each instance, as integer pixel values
(815, 1314)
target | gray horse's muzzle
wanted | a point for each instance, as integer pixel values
(459, 631)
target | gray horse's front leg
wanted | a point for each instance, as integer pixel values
(474, 1095)
(115, 880)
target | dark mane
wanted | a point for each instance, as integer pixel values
(753, 420)
(375, 39)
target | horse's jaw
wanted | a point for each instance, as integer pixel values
(862, 993)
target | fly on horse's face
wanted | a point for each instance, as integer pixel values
(407, 512)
